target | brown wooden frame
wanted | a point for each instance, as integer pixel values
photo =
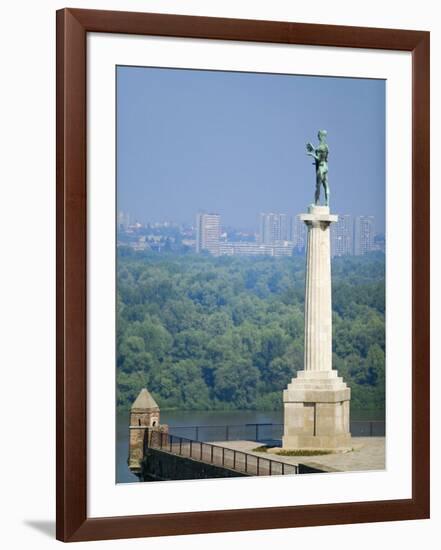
(72, 28)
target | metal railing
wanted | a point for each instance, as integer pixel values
(230, 432)
(264, 432)
(368, 428)
(232, 459)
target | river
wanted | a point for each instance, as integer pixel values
(181, 421)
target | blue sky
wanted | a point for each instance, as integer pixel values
(234, 143)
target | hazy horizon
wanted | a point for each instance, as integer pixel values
(234, 144)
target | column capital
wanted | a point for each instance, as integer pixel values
(318, 213)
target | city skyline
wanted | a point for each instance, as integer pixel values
(235, 142)
(126, 218)
(278, 234)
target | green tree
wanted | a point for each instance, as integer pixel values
(227, 332)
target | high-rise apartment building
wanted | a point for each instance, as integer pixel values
(342, 236)
(273, 228)
(363, 235)
(380, 242)
(298, 233)
(123, 220)
(208, 233)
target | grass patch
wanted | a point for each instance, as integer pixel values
(303, 452)
(294, 452)
(261, 449)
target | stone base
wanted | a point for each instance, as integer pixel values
(339, 442)
(316, 407)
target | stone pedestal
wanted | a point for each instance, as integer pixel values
(316, 403)
(317, 411)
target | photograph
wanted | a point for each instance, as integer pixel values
(220, 336)
(250, 274)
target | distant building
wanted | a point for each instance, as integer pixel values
(298, 233)
(123, 220)
(380, 242)
(255, 249)
(191, 243)
(208, 233)
(140, 245)
(273, 228)
(363, 235)
(342, 236)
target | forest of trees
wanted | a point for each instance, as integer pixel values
(223, 333)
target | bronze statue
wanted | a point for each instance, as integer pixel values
(320, 154)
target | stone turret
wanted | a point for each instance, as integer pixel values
(144, 411)
(144, 416)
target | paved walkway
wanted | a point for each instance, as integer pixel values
(368, 454)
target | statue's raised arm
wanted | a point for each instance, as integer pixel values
(320, 155)
(311, 150)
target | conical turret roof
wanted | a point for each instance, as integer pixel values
(144, 401)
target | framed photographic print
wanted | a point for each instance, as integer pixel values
(242, 274)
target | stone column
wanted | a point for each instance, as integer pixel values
(318, 310)
(316, 402)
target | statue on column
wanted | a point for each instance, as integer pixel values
(320, 155)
